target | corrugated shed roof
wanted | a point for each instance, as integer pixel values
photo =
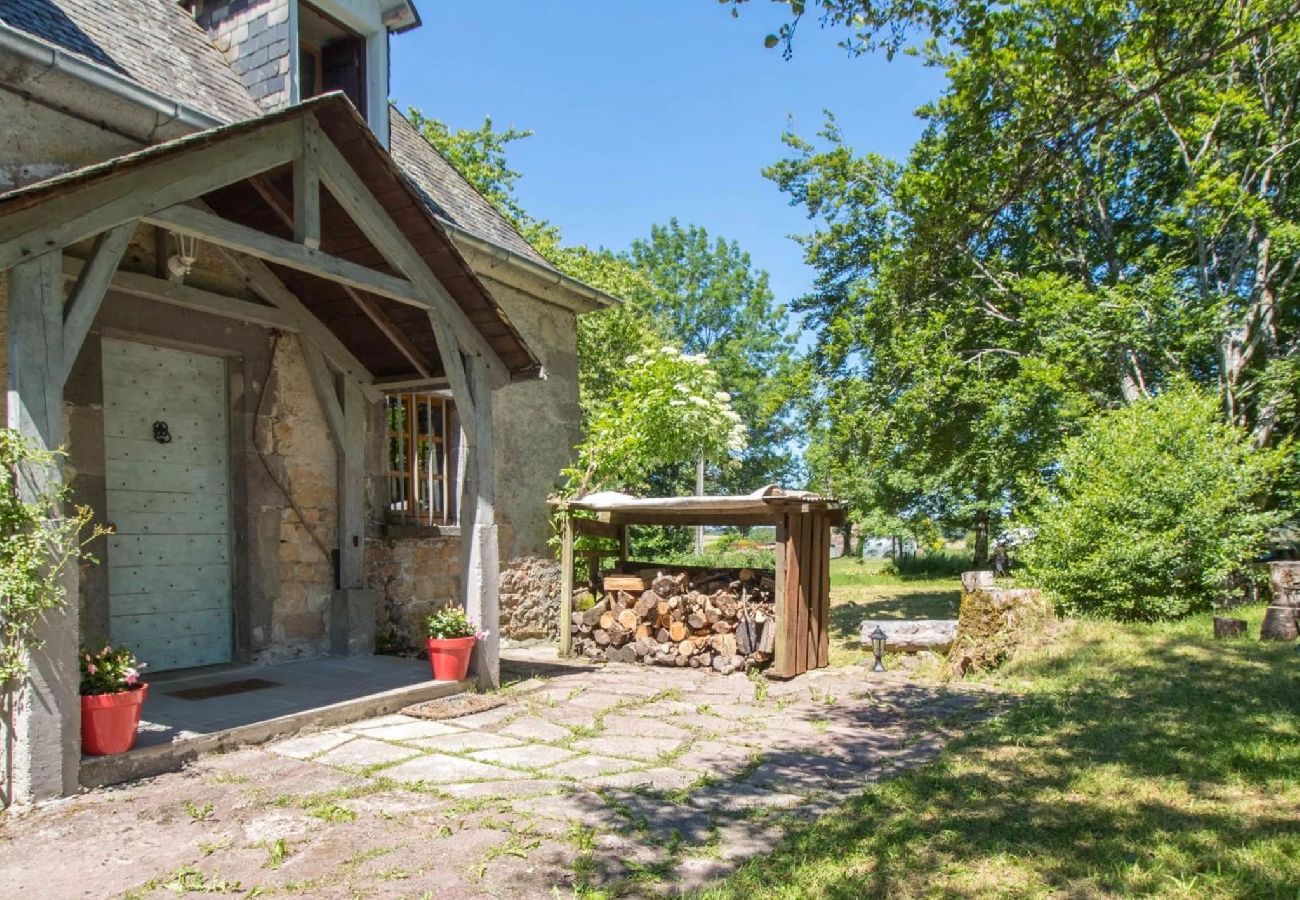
(449, 195)
(153, 42)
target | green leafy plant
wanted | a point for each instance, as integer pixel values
(39, 542)
(109, 671)
(1155, 507)
(451, 622)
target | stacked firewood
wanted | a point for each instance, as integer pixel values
(723, 619)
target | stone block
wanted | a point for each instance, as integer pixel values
(911, 635)
(353, 622)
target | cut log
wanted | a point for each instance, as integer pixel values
(643, 630)
(747, 636)
(607, 620)
(767, 643)
(592, 616)
(676, 632)
(600, 636)
(624, 583)
(1282, 619)
(697, 620)
(1229, 628)
(628, 619)
(663, 636)
(685, 648)
(723, 627)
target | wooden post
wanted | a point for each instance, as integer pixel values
(352, 488)
(480, 572)
(566, 584)
(43, 749)
(824, 594)
(621, 536)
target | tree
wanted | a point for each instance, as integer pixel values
(679, 287)
(708, 295)
(1157, 506)
(1100, 206)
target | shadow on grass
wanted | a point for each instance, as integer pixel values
(1146, 760)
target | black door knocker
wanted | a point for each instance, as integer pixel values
(161, 433)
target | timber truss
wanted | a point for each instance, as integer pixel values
(387, 271)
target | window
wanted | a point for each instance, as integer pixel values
(331, 57)
(421, 464)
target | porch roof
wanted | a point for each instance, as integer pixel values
(390, 335)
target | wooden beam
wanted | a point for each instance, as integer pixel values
(186, 297)
(402, 383)
(370, 216)
(306, 187)
(352, 489)
(43, 735)
(250, 241)
(326, 392)
(279, 204)
(82, 211)
(454, 367)
(689, 519)
(89, 289)
(264, 283)
(480, 571)
(596, 528)
(566, 583)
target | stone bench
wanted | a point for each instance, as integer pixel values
(912, 635)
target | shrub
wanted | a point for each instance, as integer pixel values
(109, 671)
(1153, 506)
(451, 622)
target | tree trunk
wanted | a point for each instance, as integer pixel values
(1282, 621)
(981, 540)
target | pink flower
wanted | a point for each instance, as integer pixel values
(132, 676)
(92, 668)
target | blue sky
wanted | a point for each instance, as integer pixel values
(648, 109)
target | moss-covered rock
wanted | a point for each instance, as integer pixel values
(994, 622)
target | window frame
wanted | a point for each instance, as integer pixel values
(421, 490)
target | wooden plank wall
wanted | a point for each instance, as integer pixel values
(803, 584)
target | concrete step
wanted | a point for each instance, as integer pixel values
(144, 762)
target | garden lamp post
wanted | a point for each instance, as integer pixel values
(878, 648)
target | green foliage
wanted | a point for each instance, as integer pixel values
(1154, 507)
(707, 292)
(726, 559)
(680, 287)
(664, 407)
(39, 541)
(109, 670)
(656, 543)
(1099, 207)
(450, 622)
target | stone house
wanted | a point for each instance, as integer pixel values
(314, 382)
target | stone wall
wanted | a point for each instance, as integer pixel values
(530, 598)
(253, 35)
(414, 577)
(536, 424)
(295, 438)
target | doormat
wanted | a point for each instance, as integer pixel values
(224, 689)
(454, 706)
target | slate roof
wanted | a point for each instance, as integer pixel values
(450, 195)
(155, 43)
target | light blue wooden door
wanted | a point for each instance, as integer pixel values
(169, 502)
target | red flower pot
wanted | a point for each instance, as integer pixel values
(109, 721)
(449, 657)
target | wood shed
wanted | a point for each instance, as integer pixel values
(802, 521)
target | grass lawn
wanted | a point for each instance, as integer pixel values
(859, 590)
(1146, 760)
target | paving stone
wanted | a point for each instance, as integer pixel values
(591, 766)
(535, 729)
(640, 727)
(622, 745)
(732, 799)
(378, 722)
(578, 806)
(661, 779)
(487, 718)
(438, 769)
(570, 716)
(510, 790)
(700, 871)
(309, 744)
(466, 740)
(410, 730)
(526, 757)
(805, 774)
(361, 752)
(692, 824)
(716, 758)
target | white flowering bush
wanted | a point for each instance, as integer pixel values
(666, 407)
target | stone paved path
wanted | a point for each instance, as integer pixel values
(638, 782)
